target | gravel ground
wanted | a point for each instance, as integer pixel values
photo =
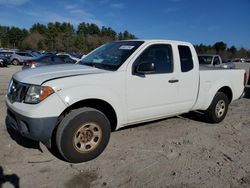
(182, 151)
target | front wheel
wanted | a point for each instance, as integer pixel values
(83, 135)
(218, 108)
(15, 62)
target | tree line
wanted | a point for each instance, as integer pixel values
(86, 37)
(60, 37)
(223, 50)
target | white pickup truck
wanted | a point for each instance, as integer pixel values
(118, 84)
(214, 61)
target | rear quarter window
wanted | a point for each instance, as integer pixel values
(186, 58)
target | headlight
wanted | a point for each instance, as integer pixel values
(36, 94)
(9, 87)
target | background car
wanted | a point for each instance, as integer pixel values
(6, 55)
(211, 60)
(47, 60)
(63, 54)
(17, 58)
(239, 60)
(3, 62)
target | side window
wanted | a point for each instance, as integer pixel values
(160, 55)
(20, 54)
(28, 55)
(186, 59)
(216, 61)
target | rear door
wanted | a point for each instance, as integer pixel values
(188, 77)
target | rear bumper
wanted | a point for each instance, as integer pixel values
(243, 94)
(38, 129)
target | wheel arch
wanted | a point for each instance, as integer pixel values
(228, 91)
(95, 103)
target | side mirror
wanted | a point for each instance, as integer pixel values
(145, 68)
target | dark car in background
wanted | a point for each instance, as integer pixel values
(3, 62)
(45, 60)
(6, 55)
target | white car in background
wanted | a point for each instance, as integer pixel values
(214, 61)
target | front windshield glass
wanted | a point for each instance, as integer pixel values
(205, 60)
(112, 55)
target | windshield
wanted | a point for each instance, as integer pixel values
(205, 60)
(112, 55)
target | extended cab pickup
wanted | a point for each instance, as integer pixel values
(214, 61)
(118, 84)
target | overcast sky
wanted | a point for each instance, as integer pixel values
(196, 21)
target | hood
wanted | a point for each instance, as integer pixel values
(37, 76)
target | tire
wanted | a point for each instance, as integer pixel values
(82, 135)
(15, 62)
(218, 108)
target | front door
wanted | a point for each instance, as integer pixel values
(155, 94)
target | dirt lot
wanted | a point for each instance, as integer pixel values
(176, 152)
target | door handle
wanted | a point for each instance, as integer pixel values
(173, 81)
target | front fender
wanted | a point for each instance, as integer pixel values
(73, 95)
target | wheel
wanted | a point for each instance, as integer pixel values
(218, 108)
(15, 62)
(82, 135)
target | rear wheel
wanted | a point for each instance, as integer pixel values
(218, 108)
(83, 135)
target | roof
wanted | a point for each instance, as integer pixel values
(159, 40)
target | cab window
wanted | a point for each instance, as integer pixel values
(160, 55)
(186, 58)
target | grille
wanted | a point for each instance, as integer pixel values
(17, 91)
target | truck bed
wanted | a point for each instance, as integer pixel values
(211, 80)
(203, 67)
